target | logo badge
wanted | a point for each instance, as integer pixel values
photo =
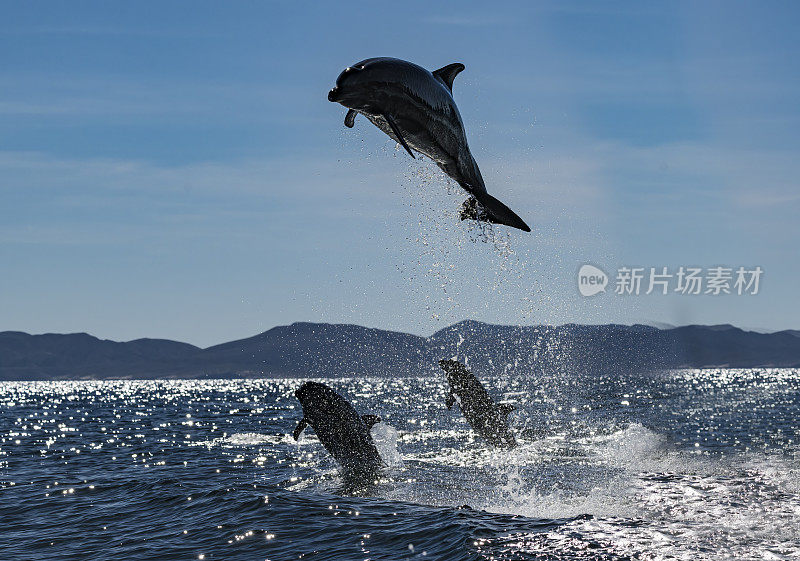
(591, 280)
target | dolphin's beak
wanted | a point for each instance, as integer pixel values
(333, 94)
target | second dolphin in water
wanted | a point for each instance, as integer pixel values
(415, 107)
(342, 431)
(487, 418)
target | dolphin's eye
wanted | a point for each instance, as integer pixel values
(349, 71)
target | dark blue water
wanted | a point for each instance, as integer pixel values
(686, 465)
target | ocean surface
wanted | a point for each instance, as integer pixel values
(695, 464)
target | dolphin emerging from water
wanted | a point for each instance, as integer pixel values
(342, 431)
(487, 418)
(415, 108)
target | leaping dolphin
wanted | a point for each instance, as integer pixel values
(341, 430)
(486, 417)
(415, 108)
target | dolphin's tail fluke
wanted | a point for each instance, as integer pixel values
(486, 207)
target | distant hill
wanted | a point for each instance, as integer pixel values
(318, 350)
(79, 355)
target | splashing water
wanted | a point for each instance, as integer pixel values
(452, 264)
(385, 438)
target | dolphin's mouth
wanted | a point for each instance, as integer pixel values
(333, 94)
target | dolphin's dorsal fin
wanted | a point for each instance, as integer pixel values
(505, 408)
(448, 73)
(300, 428)
(370, 420)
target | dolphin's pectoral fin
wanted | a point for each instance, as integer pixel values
(370, 420)
(301, 426)
(448, 73)
(399, 136)
(505, 408)
(350, 118)
(451, 399)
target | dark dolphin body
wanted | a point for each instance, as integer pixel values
(415, 107)
(342, 431)
(486, 417)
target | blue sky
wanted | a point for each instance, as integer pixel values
(175, 169)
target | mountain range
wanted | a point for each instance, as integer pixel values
(328, 350)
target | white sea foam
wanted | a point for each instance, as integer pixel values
(659, 503)
(251, 439)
